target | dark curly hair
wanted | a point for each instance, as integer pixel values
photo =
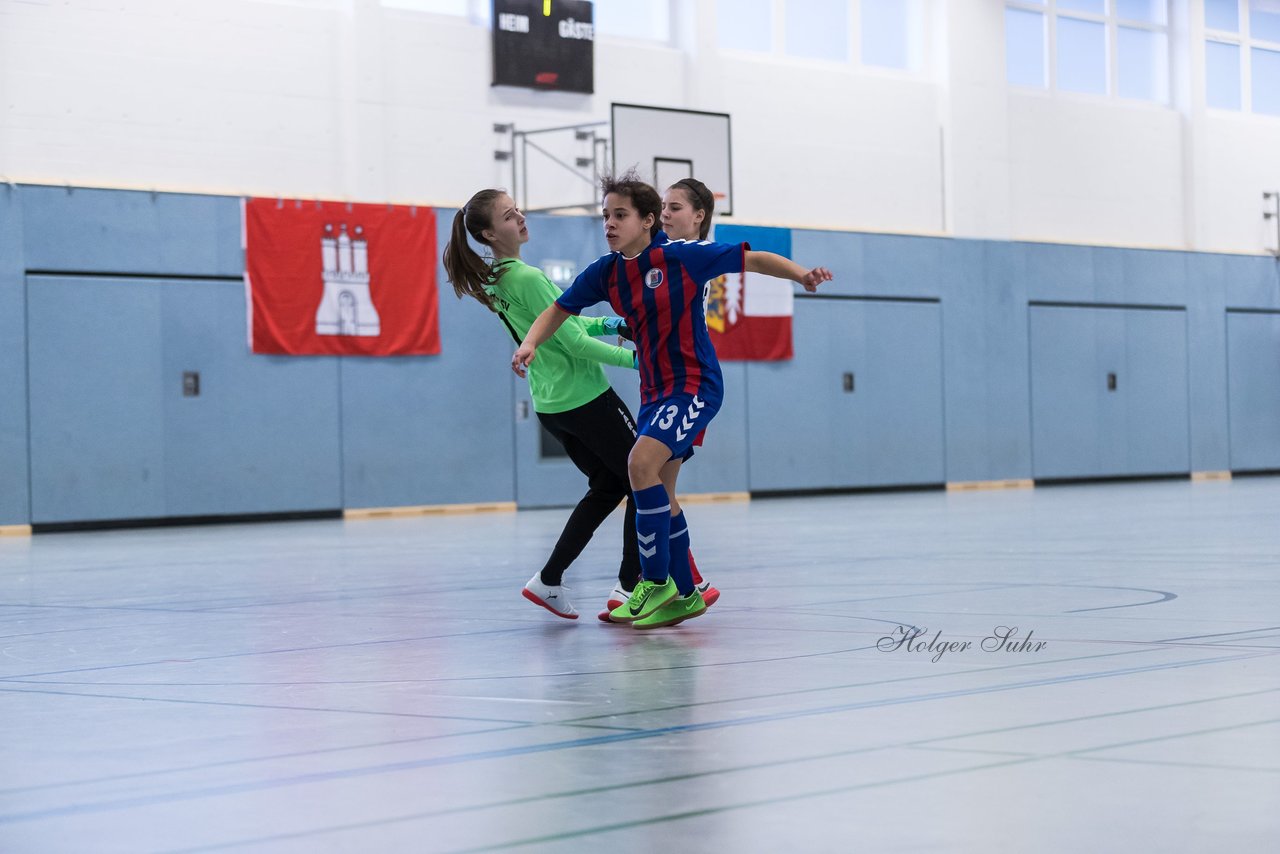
(643, 198)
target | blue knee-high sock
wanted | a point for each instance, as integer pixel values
(653, 530)
(681, 574)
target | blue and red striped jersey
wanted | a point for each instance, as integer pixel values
(659, 292)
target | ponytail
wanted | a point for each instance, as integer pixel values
(467, 271)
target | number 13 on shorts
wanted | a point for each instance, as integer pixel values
(676, 421)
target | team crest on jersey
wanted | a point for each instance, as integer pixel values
(653, 278)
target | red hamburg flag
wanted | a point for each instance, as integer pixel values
(338, 279)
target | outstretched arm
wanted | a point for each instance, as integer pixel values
(774, 265)
(575, 341)
(542, 329)
(574, 337)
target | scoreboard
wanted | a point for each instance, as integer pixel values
(544, 44)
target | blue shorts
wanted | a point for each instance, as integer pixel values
(677, 421)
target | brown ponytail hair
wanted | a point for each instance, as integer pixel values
(468, 271)
(643, 198)
(701, 199)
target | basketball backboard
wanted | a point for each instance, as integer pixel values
(666, 145)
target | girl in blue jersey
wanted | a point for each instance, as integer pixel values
(656, 285)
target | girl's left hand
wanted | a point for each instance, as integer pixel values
(815, 277)
(520, 361)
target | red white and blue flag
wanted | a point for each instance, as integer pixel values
(748, 314)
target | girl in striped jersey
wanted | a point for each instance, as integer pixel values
(655, 284)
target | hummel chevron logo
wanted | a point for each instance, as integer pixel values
(649, 539)
(648, 552)
(698, 403)
(686, 424)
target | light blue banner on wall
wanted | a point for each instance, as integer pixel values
(761, 238)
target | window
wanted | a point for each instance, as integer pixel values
(1082, 56)
(436, 7)
(1024, 48)
(1150, 11)
(1094, 47)
(818, 29)
(745, 25)
(1264, 20)
(1222, 15)
(1222, 69)
(873, 33)
(1143, 57)
(634, 19)
(889, 33)
(1242, 55)
(1093, 7)
(1266, 81)
(476, 10)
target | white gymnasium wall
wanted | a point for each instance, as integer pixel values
(346, 99)
(1093, 171)
(828, 149)
(1242, 159)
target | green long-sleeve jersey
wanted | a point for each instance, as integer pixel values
(566, 373)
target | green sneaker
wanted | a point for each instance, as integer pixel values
(677, 610)
(648, 597)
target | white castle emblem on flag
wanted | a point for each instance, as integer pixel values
(346, 307)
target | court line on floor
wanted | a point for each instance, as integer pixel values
(300, 754)
(1021, 758)
(986, 588)
(199, 606)
(29, 679)
(395, 592)
(1223, 634)
(877, 682)
(582, 721)
(1165, 596)
(1207, 765)
(920, 744)
(835, 790)
(262, 706)
(249, 760)
(19, 678)
(933, 748)
(66, 631)
(503, 753)
(249, 654)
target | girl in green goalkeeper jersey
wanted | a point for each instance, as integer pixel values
(571, 395)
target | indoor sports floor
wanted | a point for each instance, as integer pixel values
(381, 686)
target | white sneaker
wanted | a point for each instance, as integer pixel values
(554, 599)
(616, 597)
